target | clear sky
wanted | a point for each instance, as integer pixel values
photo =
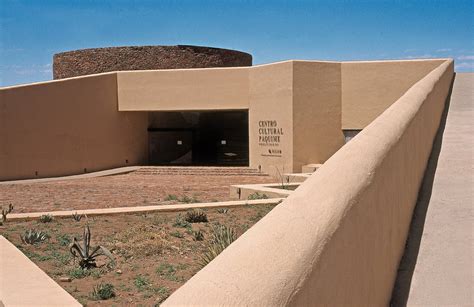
(32, 31)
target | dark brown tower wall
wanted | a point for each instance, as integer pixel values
(99, 60)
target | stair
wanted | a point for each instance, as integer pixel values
(199, 170)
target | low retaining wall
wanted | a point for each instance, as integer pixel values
(23, 283)
(338, 239)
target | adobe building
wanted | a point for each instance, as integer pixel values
(186, 105)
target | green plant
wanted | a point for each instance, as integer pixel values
(141, 282)
(78, 273)
(77, 217)
(189, 200)
(177, 234)
(171, 197)
(166, 269)
(163, 293)
(196, 216)
(46, 218)
(222, 236)
(33, 236)
(87, 258)
(103, 291)
(257, 195)
(223, 210)
(5, 212)
(63, 239)
(180, 222)
(284, 186)
(198, 235)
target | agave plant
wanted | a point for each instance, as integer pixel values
(34, 236)
(5, 212)
(46, 218)
(85, 253)
(77, 217)
(196, 216)
(222, 237)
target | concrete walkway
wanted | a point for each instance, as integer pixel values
(437, 268)
(22, 283)
(108, 172)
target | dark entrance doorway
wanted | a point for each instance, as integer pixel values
(199, 138)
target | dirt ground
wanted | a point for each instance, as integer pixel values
(154, 253)
(133, 189)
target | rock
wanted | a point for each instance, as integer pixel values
(65, 279)
(118, 271)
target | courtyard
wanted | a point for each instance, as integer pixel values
(147, 186)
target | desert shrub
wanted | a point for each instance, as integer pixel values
(78, 273)
(223, 210)
(77, 217)
(63, 239)
(33, 236)
(5, 212)
(103, 291)
(46, 218)
(86, 254)
(177, 234)
(222, 236)
(257, 195)
(171, 197)
(198, 235)
(181, 222)
(196, 216)
(189, 200)
(144, 240)
(141, 282)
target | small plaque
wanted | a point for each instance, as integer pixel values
(223, 142)
(179, 142)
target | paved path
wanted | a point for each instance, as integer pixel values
(109, 172)
(437, 268)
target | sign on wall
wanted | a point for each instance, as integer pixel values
(269, 136)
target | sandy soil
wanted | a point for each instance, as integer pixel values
(153, 254)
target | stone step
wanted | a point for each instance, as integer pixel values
(209, 171)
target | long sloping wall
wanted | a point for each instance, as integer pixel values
(337, 240)
(69, 127)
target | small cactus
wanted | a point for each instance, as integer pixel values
(33, 236)
(5, 212)
(77, 217)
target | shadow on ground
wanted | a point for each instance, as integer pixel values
(401, 289)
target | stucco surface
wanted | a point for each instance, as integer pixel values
(22, 283)
(437, 268)
(317, 113)
(368, 88)
(337, 240)
(271, 96)
(183, 89)
(63, 127)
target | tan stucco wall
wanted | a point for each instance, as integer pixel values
(271, 96)
(61, 127)
(337, 240)
(22, 283)
(184, 89)
(370, 87)
(317, 133)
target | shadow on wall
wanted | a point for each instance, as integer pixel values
(401, 289)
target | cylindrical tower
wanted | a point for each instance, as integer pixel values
(98, 60)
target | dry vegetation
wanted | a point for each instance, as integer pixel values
(153, 253)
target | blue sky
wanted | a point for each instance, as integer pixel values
(32, 31)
